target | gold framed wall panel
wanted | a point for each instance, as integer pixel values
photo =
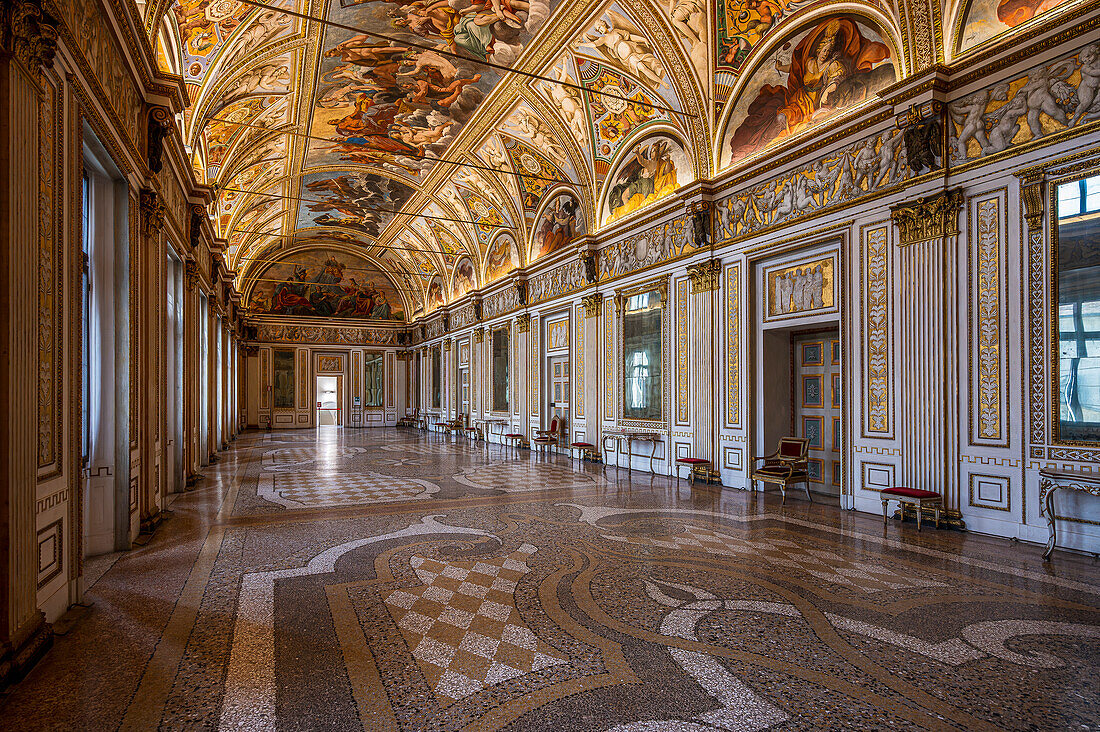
(51, 279)
(536, 360)
(683, 351)
(578, 364)
(986, 318)
(875, 329)
(733, 345)
(609, 369)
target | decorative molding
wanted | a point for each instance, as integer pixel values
(578, 368)
(875, 323)
(929, 217)
(733, 345)
(349, 336)
(986, 310)
(705, 276)
(683, 351)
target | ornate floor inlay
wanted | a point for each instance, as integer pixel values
(332, 586)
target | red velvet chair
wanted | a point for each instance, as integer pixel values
(788, 464)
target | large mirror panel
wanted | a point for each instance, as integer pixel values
(1077, 287)
(500, 369)
(372, 379)
(283, 367)
(642, 367)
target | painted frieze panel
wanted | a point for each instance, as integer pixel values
(1040, 103)
(801, 288)
(652, 246)
(560, 223)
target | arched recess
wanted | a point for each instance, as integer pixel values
(975, 25)
(464, 277)
(670, 166)
(802, 28)
(350, 291)
(503, 256)
(558, 221)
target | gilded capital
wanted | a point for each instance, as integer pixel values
(479, 335)
(153, 212)
(191, 274)
(929, 217)
(1032, 190)
(705, 276)
(523, 323)
(28, 33)
(592, 304)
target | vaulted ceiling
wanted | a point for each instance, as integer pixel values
(447, 142)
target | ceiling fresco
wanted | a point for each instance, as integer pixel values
(394, 128)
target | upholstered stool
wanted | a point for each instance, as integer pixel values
(584, 447)
(691, 464)
(916, 496)
(472, 433)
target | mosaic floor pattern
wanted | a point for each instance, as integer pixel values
(386, 580)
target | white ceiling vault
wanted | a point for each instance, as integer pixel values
(440, 144)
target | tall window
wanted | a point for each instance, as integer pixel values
(85, 318)
(1078, 291)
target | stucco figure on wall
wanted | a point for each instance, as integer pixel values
(325, 283)
(987, 19)
(818, 72)
(652, 170)
(561, 222)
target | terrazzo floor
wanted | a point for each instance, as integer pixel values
(392, 580)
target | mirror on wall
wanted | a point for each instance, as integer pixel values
(372, 379)
(499, 359)
(642, 334)
(437, 378)
(1077, 287)
(283, 389)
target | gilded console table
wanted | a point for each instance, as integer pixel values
(630, 436)
(1049, 482)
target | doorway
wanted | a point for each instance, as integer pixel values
(329, 412)
(559, 387)
(802, 393)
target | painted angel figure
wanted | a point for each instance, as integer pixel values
(617, 39)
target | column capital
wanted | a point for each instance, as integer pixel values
(153, 211)
(523, 322)
(479, 335)
(28, 33)
(929, 217)
(705, 276)
(191, 274)
(592, 304)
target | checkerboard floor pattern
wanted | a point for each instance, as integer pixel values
(286, 458)
(823, 565)
(311, 491)
(524, 476)
(462, 625)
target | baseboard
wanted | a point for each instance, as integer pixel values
(17, 661)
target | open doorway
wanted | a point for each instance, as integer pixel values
(801, 378)
(329, 412)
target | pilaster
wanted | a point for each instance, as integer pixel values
(928, 370)
(706, 279)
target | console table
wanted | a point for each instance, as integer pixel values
(631, 437)
(489, 422)
(1049, 482)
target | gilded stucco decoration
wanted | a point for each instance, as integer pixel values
(875, 328)
(987, 304)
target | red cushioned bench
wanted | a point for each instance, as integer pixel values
(692, 463)
(585, 448)
(915, 496)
